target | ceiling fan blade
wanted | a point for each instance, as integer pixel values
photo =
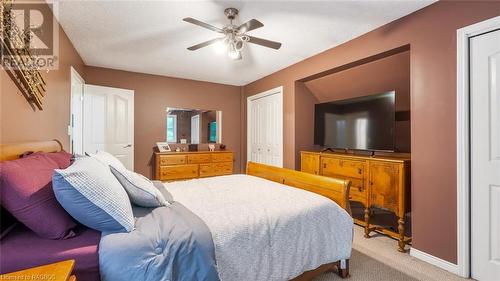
(264, 42)
(249, 25)
(204, 44)
(203, 24)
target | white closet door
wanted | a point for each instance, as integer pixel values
(485, 156)
(265, 128)
(109, 122)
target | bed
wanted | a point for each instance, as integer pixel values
(249, 227)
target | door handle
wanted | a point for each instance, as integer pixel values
(128, 145)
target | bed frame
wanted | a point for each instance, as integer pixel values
(335, 189)
(13, 151)
(332, 188)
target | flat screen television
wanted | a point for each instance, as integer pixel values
(364, 123)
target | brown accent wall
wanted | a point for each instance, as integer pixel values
(431, 34)
(381, 75)
(18, 121)
(153, 94)
(304, 119)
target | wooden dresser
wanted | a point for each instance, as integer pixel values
(171, 166)
(376, 181)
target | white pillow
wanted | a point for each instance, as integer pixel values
(108, 159)
(93, 196)
(140, 189)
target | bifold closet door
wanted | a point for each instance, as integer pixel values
(108, 122)
(265, 129)
(485, 155)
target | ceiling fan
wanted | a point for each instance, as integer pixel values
(234, 37)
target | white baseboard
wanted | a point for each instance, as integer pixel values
(446, 265)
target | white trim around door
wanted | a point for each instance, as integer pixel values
(463, 140)
(75, 127)
(276, 91)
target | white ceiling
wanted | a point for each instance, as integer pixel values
(150, 36)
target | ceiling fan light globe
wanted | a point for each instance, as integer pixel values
(234, 55)
(231, 47)
(238, 45)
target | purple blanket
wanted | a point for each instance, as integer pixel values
(22, 249)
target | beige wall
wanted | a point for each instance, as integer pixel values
(153, 94)
(431, 34)
(18, 120)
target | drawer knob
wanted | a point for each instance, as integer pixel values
(360, 171)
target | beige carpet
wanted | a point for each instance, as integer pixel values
(376, 259)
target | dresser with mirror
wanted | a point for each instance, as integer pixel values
(191, 134)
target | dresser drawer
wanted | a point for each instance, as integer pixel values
(223, 168)
(222, 157)
(358, 191)
(172, 160)
(178, 172)
(207, 170)
(198, 158)
(309, 163)
(345, 168)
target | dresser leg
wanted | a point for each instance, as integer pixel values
(401, 231)
(367, 222)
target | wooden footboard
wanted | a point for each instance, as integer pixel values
(332, 188)
(335, 189)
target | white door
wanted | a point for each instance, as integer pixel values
(265, 128)
(109, 122)
(195, 129)
(76, 118)
(485, 155)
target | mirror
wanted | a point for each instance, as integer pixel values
(193, 126)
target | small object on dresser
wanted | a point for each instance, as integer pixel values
(222, 146)
(193, 147)
(163, 146)
(211, 147)
(184, 141)
(178, 149)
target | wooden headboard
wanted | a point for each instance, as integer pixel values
(332, 188)
(12, 151)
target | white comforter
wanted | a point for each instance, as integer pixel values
(264, 230)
